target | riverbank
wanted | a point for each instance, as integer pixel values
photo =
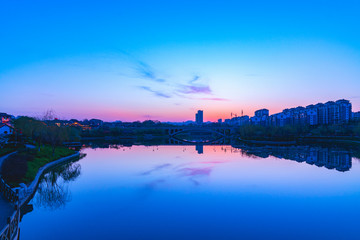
(27, 193)
(10, 148)
(23, 166)
(327, 139)
(306, 140)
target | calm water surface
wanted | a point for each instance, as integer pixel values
(173, 192)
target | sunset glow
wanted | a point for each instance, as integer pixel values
(163, 61)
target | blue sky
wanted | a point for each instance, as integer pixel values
(130, 60)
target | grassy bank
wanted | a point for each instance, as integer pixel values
(6, 150)
(10, 148)
(23, 166)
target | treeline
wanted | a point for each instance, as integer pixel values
(122, 132)
(290, 133)
(39, 132)
(133, 129)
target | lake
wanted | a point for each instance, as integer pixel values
(199, 192)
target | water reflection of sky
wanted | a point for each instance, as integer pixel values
(171, 192)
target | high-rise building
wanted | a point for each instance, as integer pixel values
(262, 112)
(320, 114)
(345, 110)
(261, 117)
(199, 117)
(356, 116)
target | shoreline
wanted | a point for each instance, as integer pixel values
(305, 140)
(32, 187)
(29, 191)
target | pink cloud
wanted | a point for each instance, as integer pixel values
(214, 99)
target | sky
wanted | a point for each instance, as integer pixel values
(164, 60)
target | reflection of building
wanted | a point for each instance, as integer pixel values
(340, 160)
(199, 148)
(199, 117)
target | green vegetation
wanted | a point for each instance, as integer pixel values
(35, 131)
(23, 167)
(49, 138)
(123, 132)
(41, 158)
(7, 150)
(291, 133)
(286, 133)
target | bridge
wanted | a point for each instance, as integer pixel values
(222, 131)
(177, 141)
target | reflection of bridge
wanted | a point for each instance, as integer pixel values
(222, 131)
(177, 141)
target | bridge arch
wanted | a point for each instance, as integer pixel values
(175, 131)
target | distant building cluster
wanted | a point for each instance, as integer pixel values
(320, 114)
(84, 125)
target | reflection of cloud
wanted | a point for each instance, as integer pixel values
(153, 184)
(195, 172)
(150, 187)
(212, 162)
(157, 93)
(157, 168)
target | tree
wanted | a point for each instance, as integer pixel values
(39, 133)
(48, 115)
(56, 136)
(357, 130)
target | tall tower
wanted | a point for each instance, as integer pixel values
(199, 117)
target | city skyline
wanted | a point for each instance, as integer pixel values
(329, 112)
(108, 62)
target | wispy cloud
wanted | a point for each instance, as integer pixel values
(156, 93)
(214, 99)
(147, 72)
(188, 89)
(194, 87)
(354, 97)
(196, 77)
